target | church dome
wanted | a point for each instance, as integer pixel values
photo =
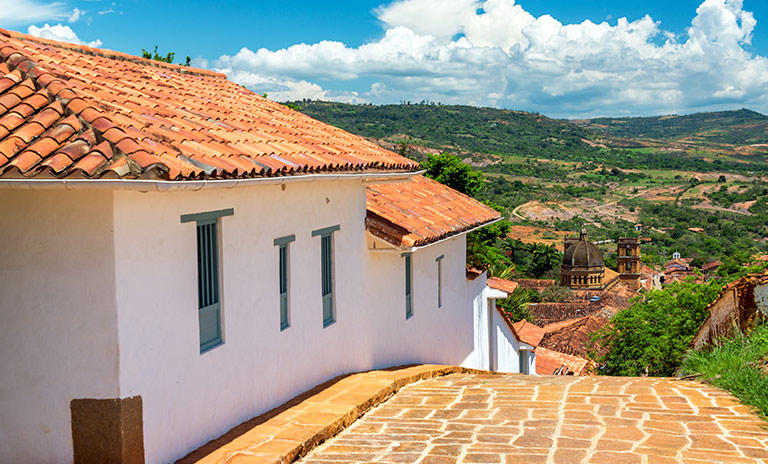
(583, 253)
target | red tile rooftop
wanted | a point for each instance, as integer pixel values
(528, 333)
(75, 111)
(504, 285)
(548, 362)
(573, 336)
(422, 211)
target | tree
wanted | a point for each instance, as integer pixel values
(516, 304)
(651, 337)
(449, 170)
(545, 258)
(482, 252)
(157, 57)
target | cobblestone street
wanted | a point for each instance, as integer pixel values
(466, 418)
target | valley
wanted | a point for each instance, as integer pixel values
(694, 184)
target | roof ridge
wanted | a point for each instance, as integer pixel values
(112, 54)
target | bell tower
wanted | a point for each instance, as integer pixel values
(629, 261)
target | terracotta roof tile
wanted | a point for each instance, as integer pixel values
(502, 284)
(573, 336)
(548, 362)
(12, 145)
(90, 163)
(175, 122)
(11, 121)
(75, 150)
(711, 265)
(57, 163)
(422, 211)
(528, 333)
(25, 161)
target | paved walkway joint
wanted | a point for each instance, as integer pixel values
(464, 418)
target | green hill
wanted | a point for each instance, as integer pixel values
(455, 128)
(510, 135)
(558, 175)
(740, 127)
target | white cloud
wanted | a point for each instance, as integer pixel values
(77, 13)
(281, 89)
(61, 33)
(19, 12)
(495, 53)
(499, 24)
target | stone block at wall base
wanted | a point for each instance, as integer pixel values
(108, 431)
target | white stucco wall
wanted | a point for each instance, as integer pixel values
(506, 357)
(90, 274)
(480, 356)
(58, 323)
(191, 398)
(432, 335)
(532, 362)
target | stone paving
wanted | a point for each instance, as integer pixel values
(284, 434)
(481, 418)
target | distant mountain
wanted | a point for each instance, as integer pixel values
(456, 128)
(740, 127)
(727, 141)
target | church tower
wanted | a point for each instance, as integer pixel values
(629, 261)
(583, 266)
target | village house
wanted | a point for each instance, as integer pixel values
(678, 268)
(180, 254)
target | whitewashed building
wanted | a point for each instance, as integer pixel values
(180, 254)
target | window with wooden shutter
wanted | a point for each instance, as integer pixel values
(439, 261)
(408, 285)
(208, 276)
(327, 273)
(284, 279)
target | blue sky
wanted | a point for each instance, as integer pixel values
(567, 58)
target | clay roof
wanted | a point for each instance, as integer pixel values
(676, 262)
(74, 111)
(609, 274)
(473, 273)
(422, 211)
(528, 333)
(537, 284)
(502, 284)
(711, 265)
(572, 336)
(646, 269)
(548, 361)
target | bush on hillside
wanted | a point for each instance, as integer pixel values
(650, 337)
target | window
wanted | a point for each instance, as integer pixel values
(283, 273)
(408, 285)
(326, 272)
(208, 290)
(439, 261)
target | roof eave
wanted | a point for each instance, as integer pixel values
(454, 235)
(144, 185)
